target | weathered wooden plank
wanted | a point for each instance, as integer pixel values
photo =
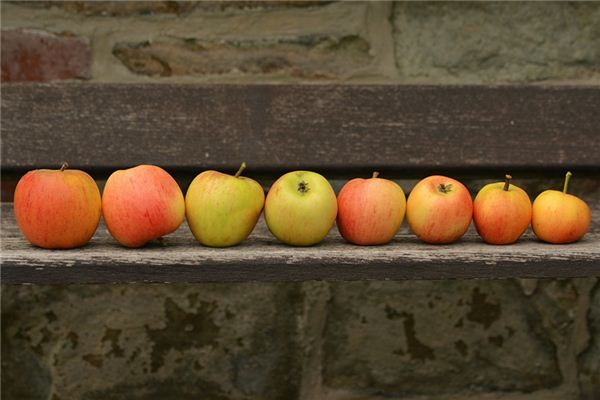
(292, 126)
(262, 258)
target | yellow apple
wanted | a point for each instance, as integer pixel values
(559, 217)
(300, 208)
(221, 209)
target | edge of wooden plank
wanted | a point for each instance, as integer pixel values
(256, 271)
(250, 119)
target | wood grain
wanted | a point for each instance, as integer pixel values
(293, 126)
(262, 258)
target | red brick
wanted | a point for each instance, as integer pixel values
(35, 55)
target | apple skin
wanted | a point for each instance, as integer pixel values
(140, 204)
(370, 211)
(300, 208)
(436, 216)
(222, 210)
(57, 209)
(560, 217)
(501, 216)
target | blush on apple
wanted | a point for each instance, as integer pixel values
(439, 209)
(370, 211)
(141, 204)
(559, 217)
(57, 209)
(501, 212)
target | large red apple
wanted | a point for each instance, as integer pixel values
(141, 204)
(370, 211)
(57, 209)
(501, 212)
(439, 209)
(559, 217)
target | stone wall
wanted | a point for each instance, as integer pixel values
(506, 339)
(305, 41)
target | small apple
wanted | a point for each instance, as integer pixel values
(221, 209)
(370, 211)
(140, 204)
(501, 212)
(439, 209)
(559, 217)
(57, 209)
(300, 208)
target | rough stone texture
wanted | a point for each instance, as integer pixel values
(35, 55)
(239, 42)
(309, 57)
(507, 339)
(168, 342)
(114, 8)
(589, 361)
(248, 41)
(497, 42)
(126, 8)
(480, 336)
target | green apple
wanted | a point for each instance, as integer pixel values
(300, 208)
(221, 209)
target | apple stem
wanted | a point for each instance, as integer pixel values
(567, 179)
(375, 174)
(242, 168)
(507, 182)
(64, 166)
(442, 187)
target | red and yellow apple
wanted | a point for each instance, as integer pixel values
(439, 209)
(501, 212)
(141, 204)
(57, 209)
(559, 217)
(370, 211)
(300, 208)
(221, 209)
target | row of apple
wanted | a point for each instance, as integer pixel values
(60, 209)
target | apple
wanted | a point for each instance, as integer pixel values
(300, 208)
(501, 212)
(221, 209)
(141, 204)
(370, 211)
(439, 209)
(559, 217)
(57, 209)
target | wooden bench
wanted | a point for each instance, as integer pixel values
(405, 132)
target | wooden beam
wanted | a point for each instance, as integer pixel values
(300, 126)
(262, 258)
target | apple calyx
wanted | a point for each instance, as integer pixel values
(443, 188)
(375, 174)
(567, 179)
(242, 168)
(506, 182)
(64, 166)
(303, 187)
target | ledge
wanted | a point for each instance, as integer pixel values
(262, 258)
